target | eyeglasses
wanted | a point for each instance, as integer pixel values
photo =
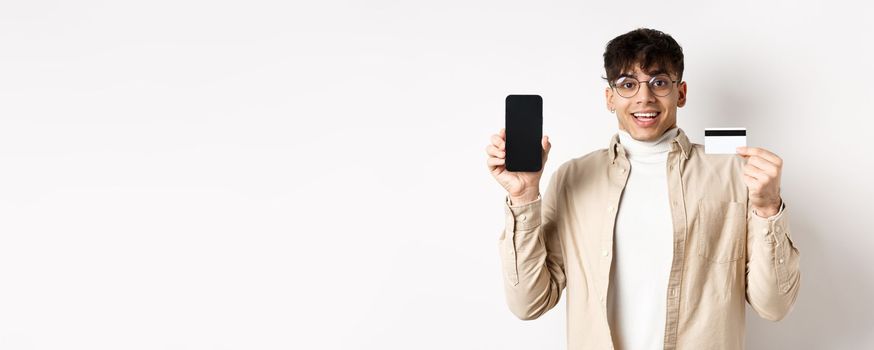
(660, 85)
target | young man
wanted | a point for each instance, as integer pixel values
(658, 244)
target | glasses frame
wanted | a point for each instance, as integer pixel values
(648, 83)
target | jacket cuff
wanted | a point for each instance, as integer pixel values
(764, 226)
(775, 216)
(522, 217)
(778, 246)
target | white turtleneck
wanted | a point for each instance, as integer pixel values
(643, 247)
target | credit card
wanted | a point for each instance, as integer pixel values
(724, 140)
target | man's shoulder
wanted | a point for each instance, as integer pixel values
(591, 161)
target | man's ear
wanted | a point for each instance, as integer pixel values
(608, 96)
(681, 89)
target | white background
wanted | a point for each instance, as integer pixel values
(311, 175)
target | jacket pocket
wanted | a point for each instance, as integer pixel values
(722, 231)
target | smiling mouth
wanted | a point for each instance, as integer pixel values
(646, 116)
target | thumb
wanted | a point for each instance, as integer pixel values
(546, 147)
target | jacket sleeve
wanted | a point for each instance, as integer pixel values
(531, 255)
(772, 266)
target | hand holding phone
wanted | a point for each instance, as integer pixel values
(522, 186)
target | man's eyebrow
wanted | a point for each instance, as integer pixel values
(651, 73)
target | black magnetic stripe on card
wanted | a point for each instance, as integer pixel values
(725, 133)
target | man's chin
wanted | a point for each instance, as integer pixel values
(645, 135)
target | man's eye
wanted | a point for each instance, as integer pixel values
(627, 85)
(659, 83)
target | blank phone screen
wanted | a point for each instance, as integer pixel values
(524, 129)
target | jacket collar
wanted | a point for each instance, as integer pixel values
(681, 140)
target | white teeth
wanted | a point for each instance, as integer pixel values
(646, 115)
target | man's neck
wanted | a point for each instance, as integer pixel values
(642, 148)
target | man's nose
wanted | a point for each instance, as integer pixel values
(644, 94)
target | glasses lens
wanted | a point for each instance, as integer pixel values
(661, 85)
(626, 87)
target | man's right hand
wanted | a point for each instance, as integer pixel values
(522, 187)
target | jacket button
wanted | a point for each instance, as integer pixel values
(604, 252)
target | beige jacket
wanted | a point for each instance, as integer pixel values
(724, 254)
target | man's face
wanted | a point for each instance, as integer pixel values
(645, 101)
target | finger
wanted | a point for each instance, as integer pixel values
(494, 152)
(498, 141)
(503, 133)
(495, 170)
(753, 168)
(764, 165)
(752, 182)
(544, 142)
(761, 152)
(754, 172)
(493, 162)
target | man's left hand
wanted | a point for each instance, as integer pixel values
(761, 174)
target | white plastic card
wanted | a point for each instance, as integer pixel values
(724, 140)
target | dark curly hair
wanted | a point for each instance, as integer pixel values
(652, 49)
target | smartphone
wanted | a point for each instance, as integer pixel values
(524, 129)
